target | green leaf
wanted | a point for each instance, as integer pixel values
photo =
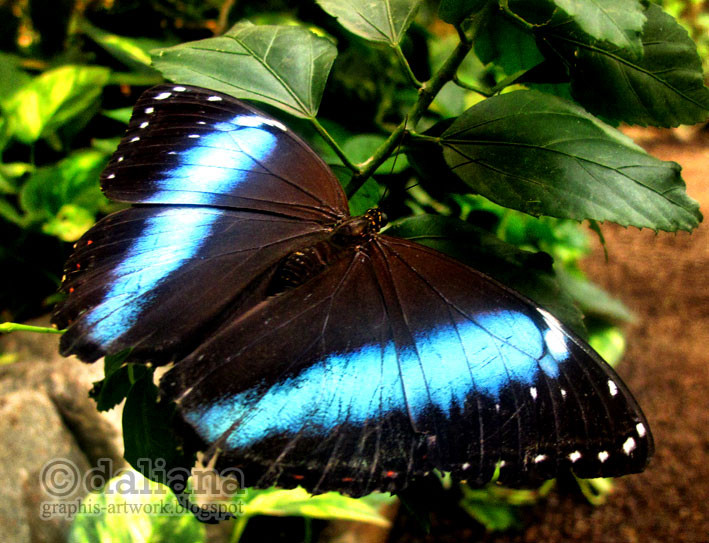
(66, 196)
(455, 11)
(368, 196)
(542, 155)
(54, 98)
(593, 300)
(12, 76)
(383, 21)
(507, 45)
(284, 66)
(298, 502)
(362, 146)
(609, 342)
(665, 87)
(122, 115)
(148, 433)
(148, 514)
(529, 273)
(617, 22)
(133, 52)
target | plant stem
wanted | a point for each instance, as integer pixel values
(8, 327)
(406, 67)
(335, 147)
(239, 527)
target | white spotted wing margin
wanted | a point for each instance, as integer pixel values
(397, 360)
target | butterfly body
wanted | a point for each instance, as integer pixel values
(308, 348)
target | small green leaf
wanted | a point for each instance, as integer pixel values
(455, 11)
(368, 196)
(665, 87)
(148, 433)
(66, 196)
(593, 300)
(617, 22)
(122, 115)
(361, 147)
(298, 502)
(133, 52)
(542, 155)
(383, 21)
(284, 66)
(609, 342)
(54, 98)
(507, 45)
(132, 509)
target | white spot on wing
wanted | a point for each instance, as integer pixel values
(465, 466)
(574, 456)
(194, 136)
(149, 110)
(612, 387)
(563, 393)
(179, 89)
(120, 159)
(201, 122)
(533, 392)
(629, 445)
(640, 427)
(214, 99)
(137, 138)
(540, 458)
(163, 95)
(603, 456)
(111, 176)
(144, 124)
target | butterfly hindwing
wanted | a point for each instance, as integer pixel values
(397, 360)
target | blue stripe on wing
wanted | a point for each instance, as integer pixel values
(372, 381)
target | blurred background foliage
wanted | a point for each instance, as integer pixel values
(70, 71)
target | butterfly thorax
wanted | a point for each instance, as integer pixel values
(303, 264)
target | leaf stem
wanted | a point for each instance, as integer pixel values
(505, 5)
(8, 327)
(406, 66)
(335, 147)
(468, 86)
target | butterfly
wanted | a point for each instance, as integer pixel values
(307, 348)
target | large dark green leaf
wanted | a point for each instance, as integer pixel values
(618, 22)
(529, 273)
(284, 66)
(382, 21)
(545, 156)
(665, 87)
(455, 11)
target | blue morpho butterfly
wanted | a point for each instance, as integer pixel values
(308, 348)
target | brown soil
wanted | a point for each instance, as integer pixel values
(663, 279)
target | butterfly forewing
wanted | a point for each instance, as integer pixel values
(187, 145)
(226, 192)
